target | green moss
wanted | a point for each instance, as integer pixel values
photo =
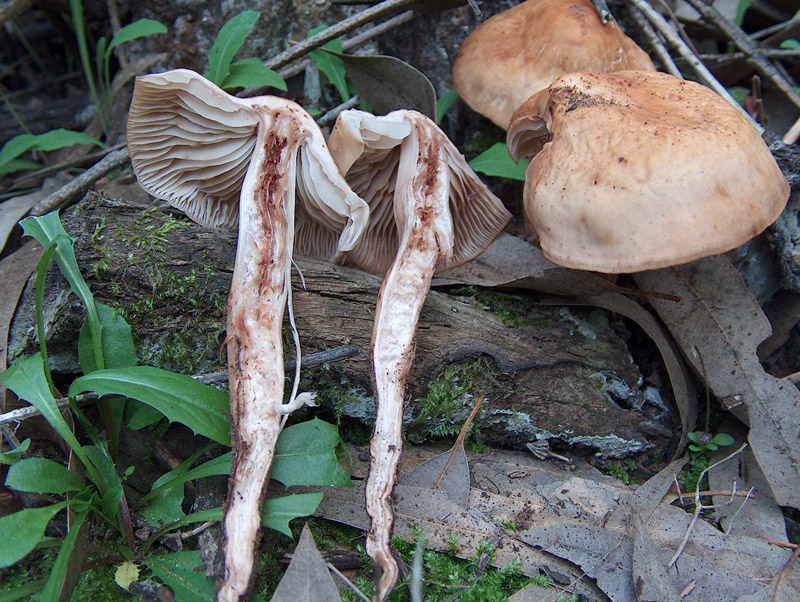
(624, 471)
(450, 398)
(514, 310)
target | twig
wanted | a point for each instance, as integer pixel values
(698, 504)
(350, 43)
(326, 35)
(754, 54)
(671, 35)
(784, 572)
(315, 359)
(334, 112)
(348, 583)
(655, 42)
(82, 183)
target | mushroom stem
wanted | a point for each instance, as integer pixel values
(427, 243)
(256, 304)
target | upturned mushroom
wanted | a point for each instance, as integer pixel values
(635, 171)
(520, 51)
(428, 211)
(261, 163)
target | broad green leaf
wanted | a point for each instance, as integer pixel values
(306, 455)
(58, 573)
(444, 103)
(126, 574)
(61, 138)
(26, 378)
(105, 466)
(182, 572)
(132, 31)
(141, 415)
(165, 507)
(15, 147)
(119, 350)
(110, 504)
(15, 455)
(21, 531)
(723, 439)
(15, 165)
(790, 44)
(693, 436)
(497, 162)
(41, 475)
(741, 9)
(179, 397)
(279, 511)
(229, 39)
(330, 65)
(251, 72)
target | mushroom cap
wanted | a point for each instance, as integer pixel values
(191, 144)
(522, 50)
(367, 149)
(640, 171)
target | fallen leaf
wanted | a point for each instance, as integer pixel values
(651, 577)
(386, 83)
(307, 579)
(719, 326)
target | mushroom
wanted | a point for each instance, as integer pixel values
(428, 211)
(640, 170)
(261, 163)
(522, 50)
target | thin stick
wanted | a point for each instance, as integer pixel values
(671, 35)
(752, 51)
(784, 572)
(315, 359)
(348, 583)
(698, 505)
(82, 183)
(655, 42)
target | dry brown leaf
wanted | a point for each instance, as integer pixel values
(14, 272)
(651, 577)
(307, 579)
(719, 326)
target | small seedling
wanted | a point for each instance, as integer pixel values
(704, 442)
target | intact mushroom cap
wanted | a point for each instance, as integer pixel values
(641, 171)
(191, 144)
(522, 50)
(368, 149)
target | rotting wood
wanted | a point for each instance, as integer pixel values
(554, 380)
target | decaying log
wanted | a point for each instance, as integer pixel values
(567, 377)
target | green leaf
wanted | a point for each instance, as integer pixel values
(141, 415)
(26, 378)
(330, 65)
(179, 397)
(444, 103)
(15, 165)
(41, 475)
(135, 30)
(741, 9)
(723, 439)
(15, 455)
(251, 72)
(306, 455)
(58, 573)
(229, 39)
(279, 511)
(790, 44)
(696, 448)
(693, 436)
(119, 350)
(110, 504)
(497, 162)
(15, 147)
(21, 531)
(61, 138)
(106, 469)
(181, 572)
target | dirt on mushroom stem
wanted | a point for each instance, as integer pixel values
(427, 242)
(255, 349)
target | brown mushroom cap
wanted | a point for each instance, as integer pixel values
(641, 171)
(522, 50)
(368, 151)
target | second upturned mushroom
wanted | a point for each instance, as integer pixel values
(428, 211)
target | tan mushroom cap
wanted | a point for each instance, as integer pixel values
(522, 50)
(368, 151)
(191, 144)
(642, 171)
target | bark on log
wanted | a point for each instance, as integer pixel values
(170, 277)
